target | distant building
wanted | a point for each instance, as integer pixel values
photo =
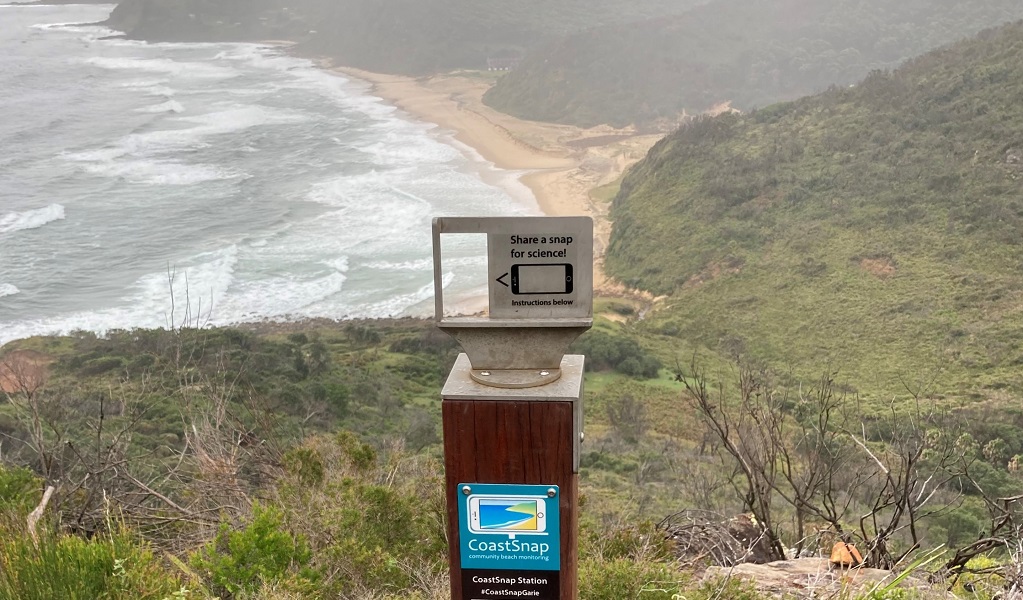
(502, 64)
(503, 60)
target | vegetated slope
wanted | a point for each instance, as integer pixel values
(878, 228)
(427, 36)
(749, 52)
(395, 36)
(208, 20)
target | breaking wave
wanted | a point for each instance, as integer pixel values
(31, 219)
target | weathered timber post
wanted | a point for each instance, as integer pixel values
(512, 410)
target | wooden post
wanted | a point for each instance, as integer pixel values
(514, 436)
(512, 409)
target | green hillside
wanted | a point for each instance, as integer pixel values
(303, 462)
(427, 36)
(394, 36)
(749, 52)
(877, 228)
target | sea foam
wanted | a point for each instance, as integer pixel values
(6, 289)
(170, 106)
(398, 305)
(185, 70)
(277, 297)
(31, 219)
(152, 87)
(231, 119)
(157, 172)
(83, 31)
(148, 157)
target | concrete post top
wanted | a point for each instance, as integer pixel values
(460, 386)
(568, 388)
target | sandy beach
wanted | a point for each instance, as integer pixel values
(563, 164)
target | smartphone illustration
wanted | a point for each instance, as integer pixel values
(541, 279)
(513, 515)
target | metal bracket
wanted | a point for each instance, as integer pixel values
(536, 327)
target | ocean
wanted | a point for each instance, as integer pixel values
(150, 185)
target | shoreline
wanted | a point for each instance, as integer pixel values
(560, 164)
(555, 166)
(454, 103)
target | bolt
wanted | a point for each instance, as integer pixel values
(582, 436)
(485, 373)
(466, 489)
(551, 492)
(544, 373)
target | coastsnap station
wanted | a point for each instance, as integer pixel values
(512, 409)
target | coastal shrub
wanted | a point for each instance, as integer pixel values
(609, 461)
(628, 418)
(19, 491)
(959, 526)
(626, 561)
(732, 588)
(111, 566)
(429, 341)
(336, 396)
(376, 532)
(374, 524)
(640, 542)
(626, 578)
(624, 310)
(263, 551)
(422, 370)
(100, 365)
(421, 431)
(606, 352)
(306, 465)
(361, 456)
(981, 579)
(362, 335)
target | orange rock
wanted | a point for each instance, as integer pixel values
(845, 555)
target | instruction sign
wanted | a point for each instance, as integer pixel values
(509, 541)
(541, 267)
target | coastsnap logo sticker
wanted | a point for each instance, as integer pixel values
(512, 527)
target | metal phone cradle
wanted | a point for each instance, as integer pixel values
(540, 292)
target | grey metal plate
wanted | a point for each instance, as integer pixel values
(539, 267)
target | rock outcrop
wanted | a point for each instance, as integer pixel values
(816, 578)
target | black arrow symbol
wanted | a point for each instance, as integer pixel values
(499, 280)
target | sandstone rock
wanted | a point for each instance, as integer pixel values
(845, 555)
(816, 578)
